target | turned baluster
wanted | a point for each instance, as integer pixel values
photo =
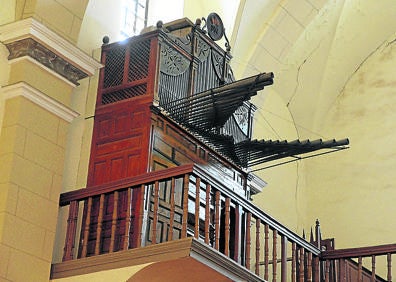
(207, 214)
(197, 206)
(172, 209)
(283, 258)
(301, 270)
(266, 251)
(100, 222)
(128, 220)
(71, 231)
(274, 254)
(140, 233)
(155, 212)
(185, 205)
(237, 233)
(227, 227)
(257, 264)
(309, 267)
(327, 271)
(248, 239)
(293, 272)
(360, 271)
(217, 220)
(316, 268)
(114, 221)
(389, 263)
(86, 228)
(373, 268)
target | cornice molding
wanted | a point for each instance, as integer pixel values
(45, 38)
(25, 90)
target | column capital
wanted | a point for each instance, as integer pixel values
(31, 38)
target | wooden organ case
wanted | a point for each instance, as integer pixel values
(158, 107)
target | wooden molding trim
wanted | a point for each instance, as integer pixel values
(221, 263)
(359, 252)
(25, 90)
(52, 44)
(188, 247)
(153, 253)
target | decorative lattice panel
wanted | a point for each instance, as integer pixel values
(123, 94)
(114, 67)
(139, 60)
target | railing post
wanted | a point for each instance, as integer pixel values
(128, 221)
(197, 206)
(237, 235)
(309, 267)
(327, 271)
(373, 268)
(141, 232)
(389, 264)
(217, 220)
(266, 251)
(186, 182)
(316, 267)
(155, 213)
(207, 214)
(293, 272)
(360, 273)
(114, 221)
(227, 227)
(301, 270)
(257, 264)
(172, 209)
(100, 222)
(248, 239)
(283, 258)
(274, 254)
(71, 231)
(86, 228)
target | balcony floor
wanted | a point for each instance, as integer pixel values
(181, 260)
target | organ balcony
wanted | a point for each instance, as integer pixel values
(169, 177)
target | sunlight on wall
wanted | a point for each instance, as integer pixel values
(165, 11)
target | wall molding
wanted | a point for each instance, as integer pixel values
(32, 94)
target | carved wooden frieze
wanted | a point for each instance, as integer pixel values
(183, 42)
(30, 47)
(203, 50)
(172, 62)
(218, 65)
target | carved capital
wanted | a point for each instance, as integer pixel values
(30, 47)
(28, 37)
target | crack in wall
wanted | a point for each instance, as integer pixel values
(299, 72)
(383, 43)
(298, 84)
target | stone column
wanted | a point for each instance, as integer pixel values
(35, 115)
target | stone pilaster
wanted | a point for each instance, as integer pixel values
(35, 115)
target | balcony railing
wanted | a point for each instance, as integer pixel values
(359, 264)
(179, 202)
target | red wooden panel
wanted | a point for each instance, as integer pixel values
(116, 168)
(118, 146)
(104, 128)
(99, 173)
(122, 123)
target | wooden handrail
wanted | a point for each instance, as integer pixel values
(147, 178)
(359, 252)
(256, 212)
